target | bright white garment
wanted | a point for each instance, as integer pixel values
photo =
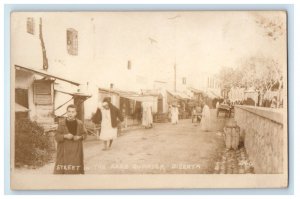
(205, 120)
(149, 114)
(174, 115)
(107, 132)
(147, 117)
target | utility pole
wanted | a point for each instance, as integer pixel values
(174, 77)
(45, 60)
(174, 18)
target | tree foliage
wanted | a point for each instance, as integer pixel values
(259, 72)
(272, 27)
(230, 77)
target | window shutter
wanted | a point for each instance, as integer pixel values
(72, 41)
(30, 25)
(42, 92)
(129, 65)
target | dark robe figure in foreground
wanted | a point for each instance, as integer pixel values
(70, 134)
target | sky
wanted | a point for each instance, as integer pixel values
(197, 42)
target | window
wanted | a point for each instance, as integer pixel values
(30, 25)
(184, 80)
(160, 105)
(129, 65)
(42, 92)
(72, 41)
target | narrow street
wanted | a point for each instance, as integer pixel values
(166, 148)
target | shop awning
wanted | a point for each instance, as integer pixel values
(45, 74)
(179, 95)
(140, 98)
(129, 95)
(150, 92)
(209, 93)
(106, 90)
(216, 95)
(20, 108)
(75, 94)
(183, 96)
(212, 94)
(196, 90)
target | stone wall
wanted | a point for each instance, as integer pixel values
(262, 133)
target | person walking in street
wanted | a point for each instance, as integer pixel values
(174, 114)
(199, 114)
(150, 116)
(125, 117)
(147, 117)
(274, 102)
(194, 115)
(205, 120)
(217, 105)
(108, 116)
(170, 113)
(69, 136)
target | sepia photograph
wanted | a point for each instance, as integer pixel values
(152, 99)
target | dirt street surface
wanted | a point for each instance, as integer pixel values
(166, 148)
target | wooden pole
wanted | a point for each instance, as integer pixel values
(175, 78)
(45, 60)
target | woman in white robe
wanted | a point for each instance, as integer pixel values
(108, 117)
(174, 115)
(150, 117)
(147, 117)
(205, 120)
(107, 131)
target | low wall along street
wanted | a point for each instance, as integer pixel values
(262, 133)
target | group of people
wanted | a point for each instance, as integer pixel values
(143, 114)
(200, 114)
(71, 132)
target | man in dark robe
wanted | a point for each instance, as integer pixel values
(69, 136)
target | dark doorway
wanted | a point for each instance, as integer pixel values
(21, 97)
(160, 104)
